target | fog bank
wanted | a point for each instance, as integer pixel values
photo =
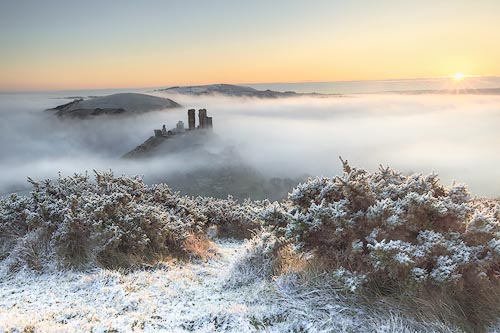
(455, 136)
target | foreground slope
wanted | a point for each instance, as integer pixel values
(194, 297)
(361, 252)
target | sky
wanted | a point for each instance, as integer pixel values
(63, 44)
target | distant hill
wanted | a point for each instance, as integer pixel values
(123, 103)
(228, 90)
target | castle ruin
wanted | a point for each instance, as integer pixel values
(192, 119)
(163, 135)
(204, 123)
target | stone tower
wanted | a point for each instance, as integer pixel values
(191, 119)
(202, 115)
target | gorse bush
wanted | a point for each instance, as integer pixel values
(112, 221)
(404, 228)
(232, 219)
(392, 233)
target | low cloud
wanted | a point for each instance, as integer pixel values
(456, 136)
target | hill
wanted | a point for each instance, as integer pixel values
(123, 103)
(361, 252)
(228, 90)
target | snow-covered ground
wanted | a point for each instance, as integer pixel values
(171, 298)
(182, 297)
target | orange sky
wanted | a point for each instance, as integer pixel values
(53, 45)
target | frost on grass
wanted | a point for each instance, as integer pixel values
(255, 262)
(186, 297)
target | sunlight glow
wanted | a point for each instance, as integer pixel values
(458, 76)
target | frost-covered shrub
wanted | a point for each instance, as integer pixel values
(110, 221)
(405, 237)
(100, 221)
(231, 218)
(392, 228)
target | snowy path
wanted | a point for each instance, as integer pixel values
(188, 297)
(192, 297)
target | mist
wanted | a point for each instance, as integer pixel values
(453, 135)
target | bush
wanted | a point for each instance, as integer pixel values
(114, 221)
(232, 219)
(395, 233)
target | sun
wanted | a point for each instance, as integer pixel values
(458, 76)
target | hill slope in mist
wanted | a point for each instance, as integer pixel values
(122, 103)
(228, 90)
(211, 168)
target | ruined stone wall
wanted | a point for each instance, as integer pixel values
(202, 115)
(191, 119)
(180, 127)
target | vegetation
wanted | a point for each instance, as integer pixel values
(381, 240)
(111, 222)
(387, 234)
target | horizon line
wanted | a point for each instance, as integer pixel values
(166, 86)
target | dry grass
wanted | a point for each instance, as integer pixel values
(199, 247)
(288, 261)
(470, 309)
